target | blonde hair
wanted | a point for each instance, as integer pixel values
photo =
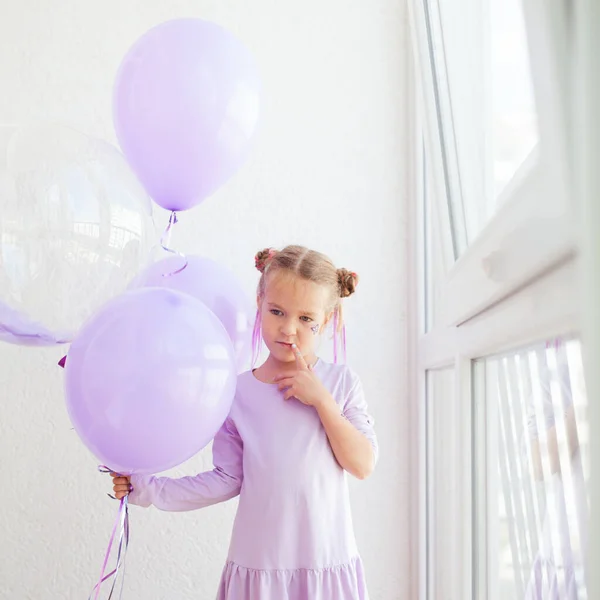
(309, 265)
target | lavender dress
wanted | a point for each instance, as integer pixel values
(293, 537)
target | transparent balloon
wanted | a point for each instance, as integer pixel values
(75, 228)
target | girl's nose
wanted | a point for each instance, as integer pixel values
(288, 328)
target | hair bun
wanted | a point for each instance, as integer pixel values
(262, 258)
(348, 280)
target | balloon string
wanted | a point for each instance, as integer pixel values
(122, 524)
(165, 242)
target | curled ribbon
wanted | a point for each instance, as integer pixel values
(122, 525)
(165, 241)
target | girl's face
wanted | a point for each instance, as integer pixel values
(292, 312)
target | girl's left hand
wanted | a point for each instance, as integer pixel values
(303, 385)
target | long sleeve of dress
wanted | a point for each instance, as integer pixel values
(205, 489)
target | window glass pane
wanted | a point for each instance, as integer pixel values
(537, 440)
(441, 468)
(486, 109)
(514, 131)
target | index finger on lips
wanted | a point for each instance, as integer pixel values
(299, 358)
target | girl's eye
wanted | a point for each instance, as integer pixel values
(276, 312)
(306, 319)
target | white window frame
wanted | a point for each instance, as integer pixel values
(586, 155)
(510, 281)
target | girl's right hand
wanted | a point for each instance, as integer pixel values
(121, 485)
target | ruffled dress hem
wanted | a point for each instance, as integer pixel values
(339, 582)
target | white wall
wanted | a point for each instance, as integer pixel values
(329, 172)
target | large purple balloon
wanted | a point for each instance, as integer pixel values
(149, 380)
(216, 288)
(185, 108)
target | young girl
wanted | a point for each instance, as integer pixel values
(296, 425)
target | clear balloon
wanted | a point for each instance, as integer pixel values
(216, 287)
(75, 228)
(186, 108)
(149, 380)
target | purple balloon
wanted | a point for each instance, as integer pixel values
(216, 287)
(149, 380)
(185, 108)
